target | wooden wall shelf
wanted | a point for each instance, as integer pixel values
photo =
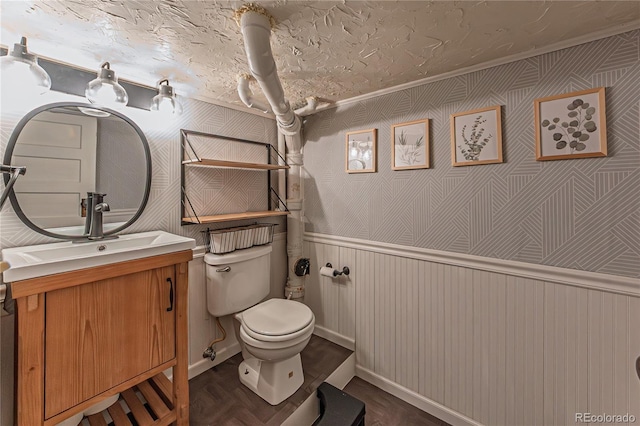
(234, 164)
(273, 161)
(233, 216)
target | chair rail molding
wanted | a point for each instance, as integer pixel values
(628, 286)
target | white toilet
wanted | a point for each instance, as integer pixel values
(272, 333)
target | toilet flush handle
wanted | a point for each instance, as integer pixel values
(225, 269)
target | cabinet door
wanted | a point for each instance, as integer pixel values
(100, 334)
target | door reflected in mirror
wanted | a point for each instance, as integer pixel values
(73, 149)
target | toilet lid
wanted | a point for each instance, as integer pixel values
(276, 317)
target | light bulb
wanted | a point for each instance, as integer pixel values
(105, 89)
(165, 101)
(21, 74)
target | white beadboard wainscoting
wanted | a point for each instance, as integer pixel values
(202, 326)
(332, 300)
(478, 340)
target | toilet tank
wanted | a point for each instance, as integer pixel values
(237, 280)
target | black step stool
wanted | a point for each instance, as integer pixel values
(338, 408)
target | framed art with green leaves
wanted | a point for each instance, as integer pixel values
(410, 145)
(476, 137)
(572, 125)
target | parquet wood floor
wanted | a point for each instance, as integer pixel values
(219, 399)
(384, 409)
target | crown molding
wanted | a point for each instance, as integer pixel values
(609, 32)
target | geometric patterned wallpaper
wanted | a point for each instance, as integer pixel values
(581, 214)
(163, 210)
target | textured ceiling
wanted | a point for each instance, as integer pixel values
(333, 50)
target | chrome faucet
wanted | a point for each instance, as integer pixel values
(88, 206)
(96, 206)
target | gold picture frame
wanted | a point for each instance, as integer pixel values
(361, 151)
(571, 125)
(476, 137)
(410, 145)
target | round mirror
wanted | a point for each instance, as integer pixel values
(71, 150)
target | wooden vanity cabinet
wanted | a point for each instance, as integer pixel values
(85, 335)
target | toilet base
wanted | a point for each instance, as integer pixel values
(272, 381)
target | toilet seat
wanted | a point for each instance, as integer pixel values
(276, 320)
(283, 343)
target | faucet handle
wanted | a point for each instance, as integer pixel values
(103, 207)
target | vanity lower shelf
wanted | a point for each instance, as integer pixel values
(233, 216)
(157, 411)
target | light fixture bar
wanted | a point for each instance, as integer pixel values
(73, 80)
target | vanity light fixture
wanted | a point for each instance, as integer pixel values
(21, 74)
(105, 89)
(165, 101)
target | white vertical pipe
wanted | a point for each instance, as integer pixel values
(256, 31)
(282, 175)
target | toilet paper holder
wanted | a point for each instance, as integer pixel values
(345, 270)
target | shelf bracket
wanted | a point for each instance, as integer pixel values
(185, 140)
(275, 155)
(278, 201)
(193, 210)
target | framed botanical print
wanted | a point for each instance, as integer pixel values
(410, 145)
(572, 125)
(476, 137)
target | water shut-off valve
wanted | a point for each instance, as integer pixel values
(210, 353)
(302, 267)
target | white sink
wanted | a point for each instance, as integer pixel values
(45, 259)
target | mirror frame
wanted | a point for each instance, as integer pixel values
(14, 139)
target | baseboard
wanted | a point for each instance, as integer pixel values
(333, 337)
(205, 363)
(423, 403)
(309, 410)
